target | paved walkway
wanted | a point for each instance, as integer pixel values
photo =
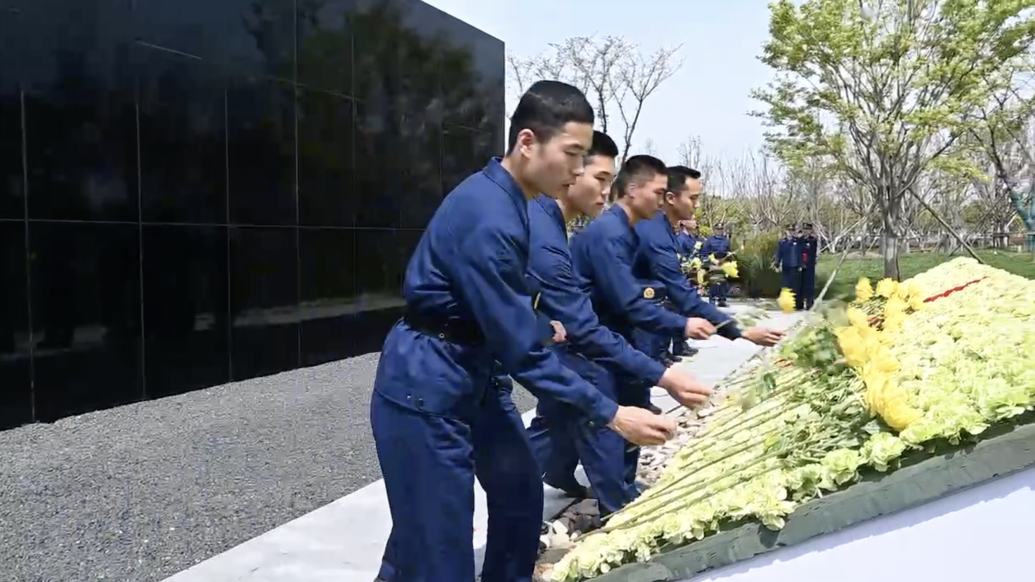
(343, 541)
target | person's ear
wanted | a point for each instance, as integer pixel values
(526, 141)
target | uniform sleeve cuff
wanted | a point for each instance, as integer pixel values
(604, 410)
(655, 372)
(730, 331)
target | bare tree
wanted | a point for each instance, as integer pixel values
(650, 148)
(639, 77)
(614, 74)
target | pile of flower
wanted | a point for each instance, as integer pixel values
(938, 358)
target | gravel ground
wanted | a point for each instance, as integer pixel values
(141, 492)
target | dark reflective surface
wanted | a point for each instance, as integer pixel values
(15, 339)
(186, 308)
(213, 191)
(85, 294)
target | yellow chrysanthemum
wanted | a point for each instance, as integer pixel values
(786, 300)
(886, 288)
(863, 290)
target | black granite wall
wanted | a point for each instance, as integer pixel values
(194, 192)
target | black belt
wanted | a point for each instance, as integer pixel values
(452, 330)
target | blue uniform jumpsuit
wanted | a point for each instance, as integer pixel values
(788, 260)
(603, 255)
(716, 245)
(438, 418)
(561, 435)
(808, 246)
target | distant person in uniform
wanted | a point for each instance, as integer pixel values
(717, 245)
(788, 261)
(808, 246)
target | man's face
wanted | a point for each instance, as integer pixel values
(691, 225)
(555, 164)
(645, 196)
(589, 192)
(808, 232)
(684, 203)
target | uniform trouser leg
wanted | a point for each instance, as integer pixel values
(632, 392)
(799, 298)
(553, 446)
(789, 279)
(602, 451)
(808, 287)
(509, 474)
(428, 467)
(679, 347)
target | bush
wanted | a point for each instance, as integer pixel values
(754, 261)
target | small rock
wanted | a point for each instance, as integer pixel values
(552, 556)
(560, 541)
(586, 507)
(559, 527)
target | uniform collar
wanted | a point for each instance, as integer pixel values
(622, 216)
(497, 173)
(661, 218)
(551, 208)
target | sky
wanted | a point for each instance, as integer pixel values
(707, 98)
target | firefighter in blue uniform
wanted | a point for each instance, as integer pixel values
(788, 261)
(717, 245)
(437, 418)
(808, 246)
(560, 433)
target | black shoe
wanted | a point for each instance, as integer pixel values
(723, 304)
(573, 491)
(651, 407)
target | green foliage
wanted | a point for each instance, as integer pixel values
(881, 90)
(755, 263)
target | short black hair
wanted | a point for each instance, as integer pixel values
(677, 177)
(638, 169)
(603, 145)
(546, 107)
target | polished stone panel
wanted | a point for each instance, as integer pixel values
(182, 135)
(15, 339)
(186, 308)
(85, 297)
(264, 308)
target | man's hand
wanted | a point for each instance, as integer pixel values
(763, 336)
(559, 334)
(685, 388)
(697, 328)
(641, 426)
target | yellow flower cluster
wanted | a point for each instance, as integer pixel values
(863, 290)
(786, 300)
(730, 268)
(866, 349)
